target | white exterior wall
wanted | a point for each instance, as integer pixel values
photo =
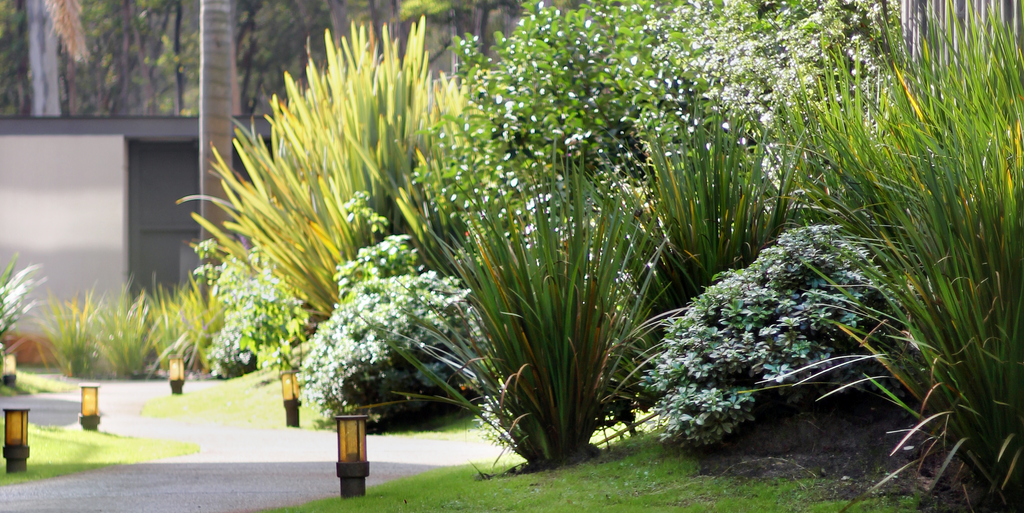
(63, 204)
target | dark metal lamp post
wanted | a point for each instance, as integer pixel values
(176, 366)
(90, 416)
(10, 371)
(290, 392)
(352, 464)
(16, 440)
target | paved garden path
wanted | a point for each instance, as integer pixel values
(235, 470)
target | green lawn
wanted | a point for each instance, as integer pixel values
(29, 383)
(254, 401)
(637, 475)
(56, 451)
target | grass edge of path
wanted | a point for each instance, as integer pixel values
(56, 451)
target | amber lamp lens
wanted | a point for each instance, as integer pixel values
(287, 390)
(351, 438)
(295, 386)
(90, 401)
(10, 365)
(16, 427)
(177, 368)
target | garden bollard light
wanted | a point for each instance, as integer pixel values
(352, 465)
(90, 416)
(176, 367)
(10, 371)
(16, 440)
(290, 392)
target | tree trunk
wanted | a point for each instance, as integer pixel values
(339, 19)
(43, 63)
(72, 86)
(374, 17)
(126, 21)
(179, 70)
(481, 19)
(149, 104)
(236, 95)
(214, 103)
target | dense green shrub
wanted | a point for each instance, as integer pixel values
(566, 82)
(928, 171)
(262, 317)
(755, 57)
(352, 360)
(755, 326)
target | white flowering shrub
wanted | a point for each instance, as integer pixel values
(756, 326)
(352, 360)
(754, 56)
(263, 318)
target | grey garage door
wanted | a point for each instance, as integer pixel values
(159, 230)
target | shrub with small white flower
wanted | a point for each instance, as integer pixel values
(754, 56)
(756, 326)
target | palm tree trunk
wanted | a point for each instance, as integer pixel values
(214, 102)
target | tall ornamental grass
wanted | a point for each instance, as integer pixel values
(717, 198)
(69, 326)
(123, 330)
(14, 290)
(348, 142)
(185, 320)
(929, 170)
(553, 310)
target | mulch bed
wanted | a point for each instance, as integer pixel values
(845, 445)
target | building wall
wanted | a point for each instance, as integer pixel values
(63, 205)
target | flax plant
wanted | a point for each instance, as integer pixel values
(15, 288)
(718, 198)
(69, 326)
(350, 140)
(185, 320)
(553, 312)
(124, 332)
(929, 170)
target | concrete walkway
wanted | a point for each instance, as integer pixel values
(235, 470)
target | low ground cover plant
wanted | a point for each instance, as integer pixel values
(387, 304)
(751, 330)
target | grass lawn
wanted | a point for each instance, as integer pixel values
(56, 451)
(636, 475)
(251, 401)
(254, 401)
(29, 383)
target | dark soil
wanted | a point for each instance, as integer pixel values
(846, 445)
